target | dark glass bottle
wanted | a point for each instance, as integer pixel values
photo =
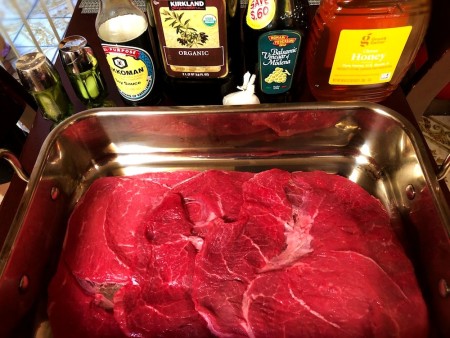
(200, 48)
(274, 43)
(15, 100)
(123, 30)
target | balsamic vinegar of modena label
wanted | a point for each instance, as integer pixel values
(278, 52)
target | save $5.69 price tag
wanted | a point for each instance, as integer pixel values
(260, 13)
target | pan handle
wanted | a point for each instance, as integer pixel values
(15, 163)
(444, 169)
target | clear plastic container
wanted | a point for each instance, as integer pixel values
(360, 50)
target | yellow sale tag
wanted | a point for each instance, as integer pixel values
(260, 13)
(368, 56)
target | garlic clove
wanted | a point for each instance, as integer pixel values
(246, 95)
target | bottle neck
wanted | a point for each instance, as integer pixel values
(113, 8)
(115, 4)
(120, 21)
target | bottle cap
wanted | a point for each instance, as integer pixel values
(75, 54)
(36, 72)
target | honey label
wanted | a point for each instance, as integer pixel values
(368, 56)
(192, 36)
(260, 13)
(132, 69)
(277, 57)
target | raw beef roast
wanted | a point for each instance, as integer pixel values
(233, 254)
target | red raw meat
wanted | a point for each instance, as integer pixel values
(293, 123)
(333, 294)
(160, 301)
(105, 225)
(212, 194)
(74, 312)
(232, 254)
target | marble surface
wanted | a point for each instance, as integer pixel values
(91, 6)
(33, 11)
(436, 130)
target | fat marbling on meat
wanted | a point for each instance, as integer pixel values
(233, 254)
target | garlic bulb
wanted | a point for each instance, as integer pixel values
(246, 95)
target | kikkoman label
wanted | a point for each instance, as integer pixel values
(132, 69)
(368, 56)
(193, 37)
(260, 13)
(278, 53)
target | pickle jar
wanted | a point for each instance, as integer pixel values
(81, 67)
(41, 79)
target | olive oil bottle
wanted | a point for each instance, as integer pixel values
(274, 43)
(361, 49)
(123, 30)
(200, 45)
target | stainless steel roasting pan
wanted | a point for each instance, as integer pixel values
(368, 143)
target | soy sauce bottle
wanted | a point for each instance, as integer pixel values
(123, 30)
(274, 43)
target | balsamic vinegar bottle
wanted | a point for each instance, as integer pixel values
(123, 30)
(274, 43)
(200, 44)
(361, 49)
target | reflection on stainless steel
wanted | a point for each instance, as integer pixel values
(410, 192)
(15, 163)
(444, 168)
(43, 330)
(444, 289)
(367, 143)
